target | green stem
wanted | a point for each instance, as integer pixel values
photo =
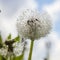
(31, 48)
(9, 58)
(2, 58)
(12, 57)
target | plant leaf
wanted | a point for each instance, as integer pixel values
(17, 38)
(9, 36)
(2, 58)
(19, 57)
(0, 38)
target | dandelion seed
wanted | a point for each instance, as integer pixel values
(18, 48)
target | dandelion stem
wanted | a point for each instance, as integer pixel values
(31, 49)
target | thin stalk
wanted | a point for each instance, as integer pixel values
(31, 49)
(11, 57)
(48, 46)
(0, 57)
(7, 58)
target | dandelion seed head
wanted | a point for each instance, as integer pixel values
(12, 48)
(18, 48)
(33, 25)
(3, 52)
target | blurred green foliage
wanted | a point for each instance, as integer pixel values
(21, 57)
(17, 38)
(9, 36)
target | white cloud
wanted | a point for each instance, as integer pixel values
(55, 46)
(53, 9)
(30, 4)
(9, 14)
(10, 7)
(7, 27)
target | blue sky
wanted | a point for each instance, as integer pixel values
(41, 3)
(10, 12)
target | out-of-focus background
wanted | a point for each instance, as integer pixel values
(9, 12)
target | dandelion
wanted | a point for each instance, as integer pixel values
(33, 25)
(11, 49)
(3, 52)
(7, 48)
(18, 48)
